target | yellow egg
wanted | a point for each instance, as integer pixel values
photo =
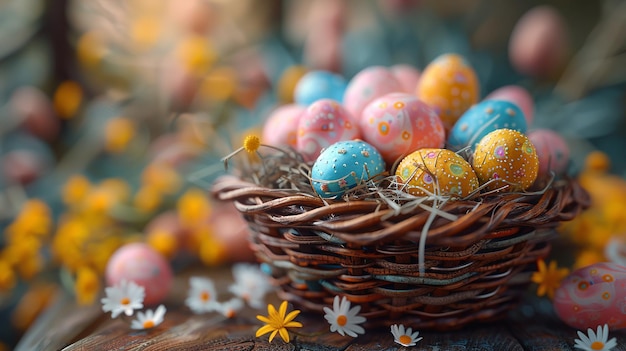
(509, 158)
(449, 85)
(437, 171)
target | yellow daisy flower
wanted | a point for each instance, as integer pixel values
(548, 278)
(277, 322)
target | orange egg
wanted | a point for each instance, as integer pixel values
(450, 86)
(508, 158)
(438, 171)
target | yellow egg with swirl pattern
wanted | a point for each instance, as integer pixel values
(436, 171)
(508, 158)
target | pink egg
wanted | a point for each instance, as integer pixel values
(35, 111)
(138, 262)
(407, 76)
(398, 124)
(539, 42)
(552, 151)
(323, 123)
(592, 296)
(281, 127)
(23, 166)
(367, 85)
(517, 95)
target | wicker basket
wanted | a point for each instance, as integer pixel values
(477, 266)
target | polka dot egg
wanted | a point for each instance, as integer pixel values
(593, 295)
(450, 86)
(344, 165)
(398, 123)
(482, 119)
(436, 171)
(508, 158)
(280, 128)
(322, 124)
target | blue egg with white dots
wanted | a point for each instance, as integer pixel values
(344, 165)
(482, 119)
(316, 85)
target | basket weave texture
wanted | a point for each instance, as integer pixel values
(477, 260)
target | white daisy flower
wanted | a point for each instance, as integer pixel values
(125, 297)
(230, 308)
(251, 284)
(202, 296)
(595, 341)
(343, 319)
(150, 319)
(404, 337)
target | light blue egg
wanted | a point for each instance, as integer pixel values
(483, 118)
(344, 165)
(316, 85)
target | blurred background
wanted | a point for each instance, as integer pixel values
(114, 114)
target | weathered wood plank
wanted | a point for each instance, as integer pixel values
(531, 327)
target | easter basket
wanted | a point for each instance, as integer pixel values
(409, 260)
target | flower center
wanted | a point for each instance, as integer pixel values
(342, 320)
(404, 339)
(597, 345)
(205, 296)
(148, 324)
(125, 301)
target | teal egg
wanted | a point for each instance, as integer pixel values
(316, 85)
(344, 165)
(482, 119)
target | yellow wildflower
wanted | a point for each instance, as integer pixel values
(7, 276)
(277, 322)
(588, 257)
(251, 143)
(597, 161)
(30, 266)
(193, 207)
(219, 84)
(163, 242)
(116, 186)
(145, 31)
(75, 189)
(87, 285)
(34, 219)
(147, 199)
(196, 54)
(21, 250)
(161, 177)
(212, 252)
(67, 99)
(288, 81)
(548, 278)
(118, 133)
(90, 49)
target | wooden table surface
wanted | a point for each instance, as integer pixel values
(65, 326)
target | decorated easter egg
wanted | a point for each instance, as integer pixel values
(482, 119)
(367, 85)
(507, 160)
(343, 166)
(407, 76)
(316, 85)
(436, 171)
(519, 96)
(139, 263)
(539, 43)
(398, 123)
(281, 127)
(322, 124)
(449, 85)
(552, 151)
(592, 296)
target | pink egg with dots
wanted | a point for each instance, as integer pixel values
(592, 296)
(398, 124)
(407, 76)
(552, 151)
(281, 127)
(324, 122)
(517, 95)
(367, 85)
(139, 263)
